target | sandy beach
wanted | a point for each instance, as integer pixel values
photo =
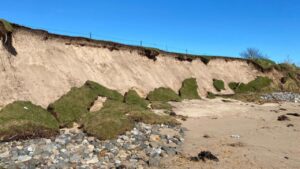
(241, 135)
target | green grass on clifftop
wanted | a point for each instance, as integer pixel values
(163, 94)
(189, 89)
(8, 27)
(22, 120)
(116, 118)
(264, 63)
(132, 98)
(71, 106)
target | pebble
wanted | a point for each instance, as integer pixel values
(142, 147)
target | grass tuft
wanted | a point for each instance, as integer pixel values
(116, 118)
(161, 105)
(218, 84)
(70, 107)
(163, 94)
(132, 98)
(211, 95)
(189, 89)
(254, 86)
(22, 120)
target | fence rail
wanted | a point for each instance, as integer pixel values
(144, 43)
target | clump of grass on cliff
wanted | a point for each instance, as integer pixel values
(71, 106)
(264, 63)
(22, 120)
(132, 98)
(189, 89)
(218, 84)
(163, 94)
(251, 91)
(211, 95)
(116, 118)
(256, 85)
(7, 26)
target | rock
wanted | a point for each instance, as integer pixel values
(31, 148)
(117, 162)
(75, 158)
(154, 161)
(24, 158)
(154, 138)
(91, 148)
(122, 154)
(60, 141)
(169, 150)
(4, 155)
(93, 160)
(135, 131)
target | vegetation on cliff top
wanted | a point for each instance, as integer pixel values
(7, 26)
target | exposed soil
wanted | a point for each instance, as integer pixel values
(46, 68)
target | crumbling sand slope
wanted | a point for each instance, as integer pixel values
(47, 66)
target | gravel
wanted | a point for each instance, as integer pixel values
(144, 146)
(282, 96)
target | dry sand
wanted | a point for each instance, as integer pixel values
(264, 141)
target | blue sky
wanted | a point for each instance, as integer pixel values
(212, 27)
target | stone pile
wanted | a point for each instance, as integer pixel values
(282, 96)
(144, 146)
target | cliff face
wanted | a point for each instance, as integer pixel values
(47, 66)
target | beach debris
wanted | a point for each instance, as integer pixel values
(206, 136)
(205, 155)
(236, 136)
(290, 125)
(293, 114)
(283, 118)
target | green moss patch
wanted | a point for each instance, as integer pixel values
(22, 120)
(132, 98)
(70, 107)
(254, 86)
(189, 89)
(163, 94)
(116, 118)
(218, 84)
